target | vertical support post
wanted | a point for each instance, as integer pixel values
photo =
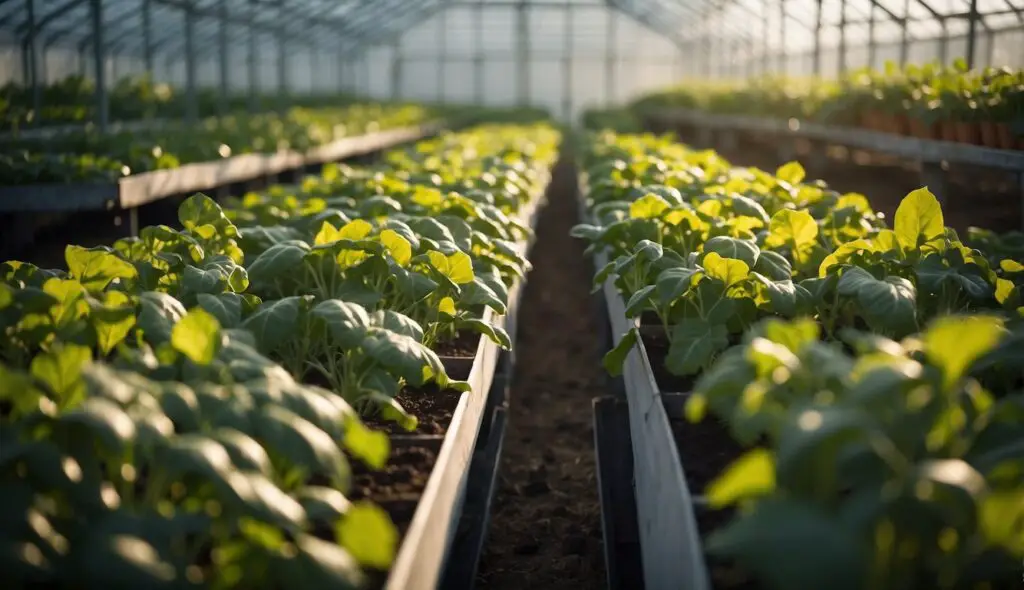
(478, 54)
(99, 55)
(32, 71)
(191, 103)
(222, 43)
(523, 46)
(396, 70)
(567, 102)
(842, 37)
(944, 42)
(905, 34)
(783, 57)
(251, 58)
(972, 33)
(442, 53)
(282, 58)
(147, 36)
(765, 36)
(609, 58)
(872, 40)
(816, 67)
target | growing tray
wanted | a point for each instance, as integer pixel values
(670, 543)
(422, 557)
(139, 189)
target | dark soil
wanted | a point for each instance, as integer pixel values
(656, 344)
(397, 487)
(464, 345)
(545, 531)
(433, 408)
(705, 448)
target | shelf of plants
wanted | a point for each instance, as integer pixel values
(93, 171)
(816, 400)
(284, 392)
(927, 114)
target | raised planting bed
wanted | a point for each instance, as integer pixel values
(755, 317)
(261, 399)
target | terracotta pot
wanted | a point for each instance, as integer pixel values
(967, 132)
(1005, 136)
(988, 134)
(918, 128)
(948, 129)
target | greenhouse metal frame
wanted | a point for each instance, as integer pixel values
(357, 45)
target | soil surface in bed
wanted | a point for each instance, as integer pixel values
(545, 529)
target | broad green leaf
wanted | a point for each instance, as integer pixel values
(615, 358)
(639, 301)
(318, 564)
(773, 265)
(95, 268)
(781, 294)
(752, 474)
(727, 270)
(277, 261)
(113, 320)
(397, 322)
(245, 452)
(289, 435)
(274, 322)
(357, 229)
(6, 296)
(367, 533)
(918, 219)
(61, 370)
(458, 267)
(889, 305)
(649, 206)
(199, 210)
(796, 229)
(399, 247)
(953, 343)
(495, 334)
(791, 172)
(733, 248)
(104, 420)
(158, 313)
(371, 446)
(226, 307)
(121, 560)
(672, 283)
(346, 322)
(197, 336)
(1010, 266)
(404, 357)
(765, 541)
(694, 342)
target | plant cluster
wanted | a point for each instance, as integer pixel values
(930, 101)
(87, 155)
(181, 409)
(872, 372)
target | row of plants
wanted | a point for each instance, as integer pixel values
(859, 387)
(929, 102)
(191, 407)
(89, 156)
(72, 100)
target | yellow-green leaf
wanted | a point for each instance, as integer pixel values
(796, 229)
(1004, 288)
(753, 474)
(458, 267)
(728, 270)
(399, 247)
(327, 234)
(356, 229)
(1011, 266)
(197, 336)
(918, 219)
(791, 172)
(368, 534)
(648, 206)
(952, 343)
(447, 306)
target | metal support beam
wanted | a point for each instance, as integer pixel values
(872, 39)
(905, 35)
(972, 33)
(282, 59)
(478, 54)
(100, 63)
(32, 53)
(224, 71)
(610, 57)
(442, 50)
(783, 57)
(567, 65)
(191, 100)
(816, 68)
(147, 36)
(251, 60)
(396, 70)
(523, 47)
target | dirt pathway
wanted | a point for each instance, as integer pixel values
(545, 530)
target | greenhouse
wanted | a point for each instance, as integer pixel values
(505, 294)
